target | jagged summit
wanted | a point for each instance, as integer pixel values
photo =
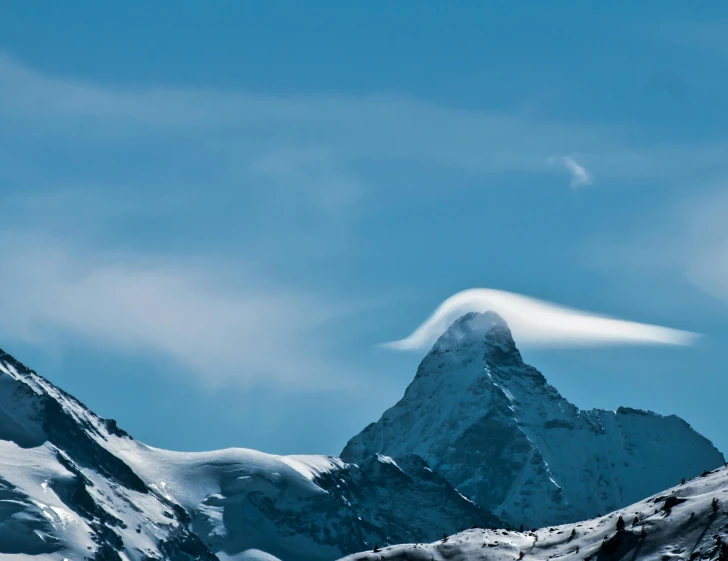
(497, 431)
(478, 322)
(473, 328)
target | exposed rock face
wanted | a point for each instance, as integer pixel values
(498, 432)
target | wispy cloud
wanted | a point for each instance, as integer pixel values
(579, 174)
(709, 35)
(684, 241)
(539, 323)
(692, 238)
(703, 243)
(135, 176)
(251, 178)
(360, 127)
(227, 133)
(222, 330)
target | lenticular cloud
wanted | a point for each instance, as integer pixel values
(537, 323)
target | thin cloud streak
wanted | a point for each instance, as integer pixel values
(687, 240)
(579, 174)
(537, 323)
(361, 128)
(702, 241)
(219, 330)
(676, 256)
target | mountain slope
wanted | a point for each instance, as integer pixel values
(498, 432)
(301, 507)
(75, 486)
(65, 494)
(475, 420)
(687, 522)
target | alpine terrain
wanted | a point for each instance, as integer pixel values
(497, 431)
(479, 440)
(686, 522)
(74, 486)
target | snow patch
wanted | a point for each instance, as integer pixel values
(387, 460)
(312, 467)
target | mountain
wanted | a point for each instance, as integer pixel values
(498, 432)
(75, 486)
(687, 522)
(64, 493)
(476, 422)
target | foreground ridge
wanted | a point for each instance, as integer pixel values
(688, 522)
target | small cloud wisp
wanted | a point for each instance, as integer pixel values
(537, 323)
(223, 329)
(580, 177)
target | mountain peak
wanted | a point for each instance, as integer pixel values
(477, 328)
(483, 321)
(493, 427)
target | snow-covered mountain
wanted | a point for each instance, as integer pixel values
(74, 486)
(475, 420)
(64, 494)
(499, 433)
(686, 522)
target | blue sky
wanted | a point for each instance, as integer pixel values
(213, 214)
